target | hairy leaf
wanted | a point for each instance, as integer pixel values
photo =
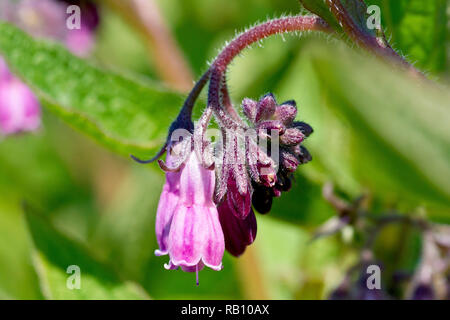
(126, 115)
(418, 29)
(400, 137)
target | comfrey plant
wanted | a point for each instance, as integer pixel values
(212, 189)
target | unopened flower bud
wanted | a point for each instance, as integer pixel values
(292, 137)
(305, 128)
(238, 233)
(266, 107)
(305, 156)
(284, 183)
(289, 161)
(249, 107)
(286, 112)
(262, 200)
(265, 128)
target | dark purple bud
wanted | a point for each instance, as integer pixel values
(249, 107)
(305, 156)
(262, 200)
(305, 128)
(239, 204)
(265, 128)
(284, 183)
(238, 233)
(301, 153)
(291, 137)
(266, 107)
(289, 162)
(286, 113)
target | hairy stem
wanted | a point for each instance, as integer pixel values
(371, 43)
(257, 33)
(219, 101)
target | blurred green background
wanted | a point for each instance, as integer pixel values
(65, 199)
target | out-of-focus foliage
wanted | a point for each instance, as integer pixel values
(54, 252)
(376, 131)
(126, 115)
(418, 29)
(400, 146)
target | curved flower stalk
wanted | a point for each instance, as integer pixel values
(254, 161)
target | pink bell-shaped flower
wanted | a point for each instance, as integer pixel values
(188, 226)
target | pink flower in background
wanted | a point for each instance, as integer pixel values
(190, 231)
(80, 42)
(47, 18)
(19, 108)
(43, 18)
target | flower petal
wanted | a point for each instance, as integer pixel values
(196, 183)
(187, 235)
(214, 243)
(166, 208)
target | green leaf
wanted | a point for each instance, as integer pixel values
(18, 279)
(418, 29)
(126, 115)
(400, 138)
(54, 253)
(319, 8)
(357, 11)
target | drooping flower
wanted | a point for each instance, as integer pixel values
(238, 233)
(19, 108)
(188, 227)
